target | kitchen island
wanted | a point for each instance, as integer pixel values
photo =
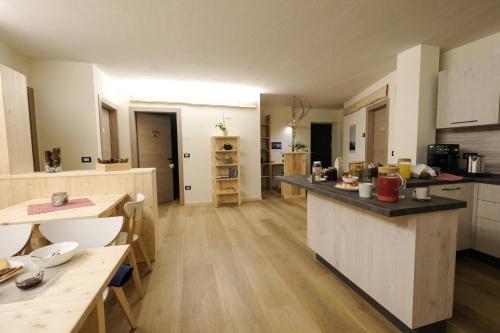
(399, 256)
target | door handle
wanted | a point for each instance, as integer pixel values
(451, 189)
(464, 122)
(171, 164)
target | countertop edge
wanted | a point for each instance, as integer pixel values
(386, 212)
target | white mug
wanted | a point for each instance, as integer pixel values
(365, 190)
(421, 193)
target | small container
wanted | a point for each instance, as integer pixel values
(316, 168)
(357, 168)
(404, 165)
(59, 199)
(390, 183)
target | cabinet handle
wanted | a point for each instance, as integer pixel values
(451, 189)
(464, 122)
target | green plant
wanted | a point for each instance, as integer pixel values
(222, 127)
(298, 146)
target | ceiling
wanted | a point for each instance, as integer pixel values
(323, 50)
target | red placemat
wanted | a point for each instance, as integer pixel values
(448, 176)
(47, 207)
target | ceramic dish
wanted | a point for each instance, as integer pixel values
(67, 250)
(349, 180)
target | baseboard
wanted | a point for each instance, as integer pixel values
(481, 256)
(437, 327)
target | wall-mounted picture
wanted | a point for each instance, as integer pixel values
(276, 145)
(352, 138)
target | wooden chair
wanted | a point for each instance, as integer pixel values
(13, 238)
(133, 236)
(90, 233)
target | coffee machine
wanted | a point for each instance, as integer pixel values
(443, 156)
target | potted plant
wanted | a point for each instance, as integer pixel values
(297, 146)
(222, 128)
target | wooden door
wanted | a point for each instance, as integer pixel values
(109, 132)
(377, 135)
(154, 146)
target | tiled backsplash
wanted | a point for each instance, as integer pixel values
(482, 140)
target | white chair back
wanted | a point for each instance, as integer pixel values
(87, 232)
(13, 238)
(133, 209)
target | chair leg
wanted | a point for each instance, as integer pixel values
(101, 321)
(122, 299)
(135, 273)
(144, 253)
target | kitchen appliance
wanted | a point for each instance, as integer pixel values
(443, 156)
(475, 163)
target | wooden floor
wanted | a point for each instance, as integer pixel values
(248, 269)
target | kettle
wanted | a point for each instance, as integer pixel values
(475, 163)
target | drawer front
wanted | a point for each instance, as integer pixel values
(452, 191)
(489, 192)
(488, 236)
(488, 210)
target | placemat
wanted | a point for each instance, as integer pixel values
(9, 293)
(47, 207)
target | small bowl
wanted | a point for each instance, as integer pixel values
(67, 250)
(349, 180)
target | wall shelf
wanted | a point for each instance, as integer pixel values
(225, 190)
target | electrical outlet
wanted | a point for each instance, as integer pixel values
(86, 159)
(187, 187)
(187, 155)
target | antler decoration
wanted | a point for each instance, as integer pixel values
(300, 109)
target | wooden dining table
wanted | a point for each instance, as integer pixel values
(104, 205)
(68, 301)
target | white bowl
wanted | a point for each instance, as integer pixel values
(67, 250)
(349, 180)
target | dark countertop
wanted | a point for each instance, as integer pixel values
(406, 206)
(491, 179)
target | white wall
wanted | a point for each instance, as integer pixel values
(390, 80)
(471, 52)
(357, 118)
(65, 110)
(197, 129)
(13, 59)
(280, 131)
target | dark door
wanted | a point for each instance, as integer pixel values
(321, 144)
(154, 144)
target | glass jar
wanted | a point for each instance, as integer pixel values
(404, 165)
(390, 183)
(316, 168)
(357, 168)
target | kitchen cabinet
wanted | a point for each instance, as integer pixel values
(487, 238)
(463, 192)
(469, 96)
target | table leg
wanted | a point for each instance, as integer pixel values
(135, 272)
(101, 321)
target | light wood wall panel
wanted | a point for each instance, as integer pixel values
(20, 188)
(482, 140)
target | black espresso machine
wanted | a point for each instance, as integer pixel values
(443, 156)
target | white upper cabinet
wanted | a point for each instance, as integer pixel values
(470, 96)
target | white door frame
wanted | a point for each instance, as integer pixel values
(133, 139)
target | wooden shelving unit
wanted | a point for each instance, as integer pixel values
(225, 170)
(265, 154)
